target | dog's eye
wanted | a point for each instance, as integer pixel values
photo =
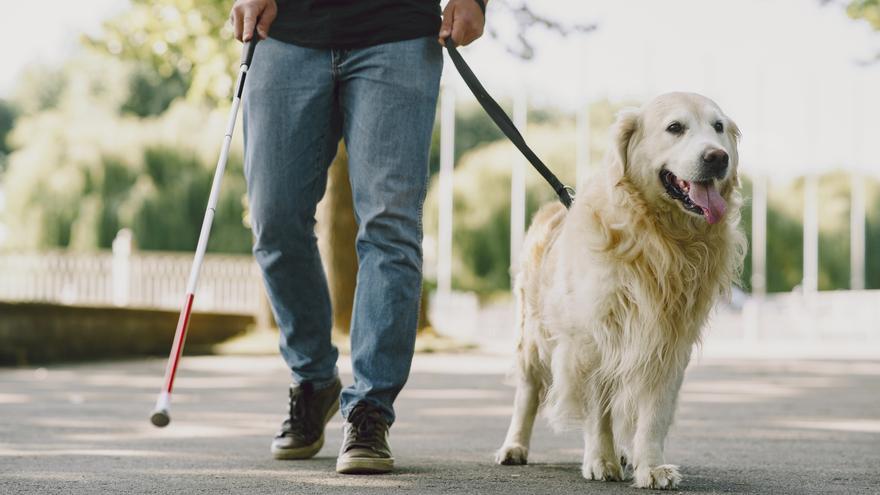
(719, 127)
(675, 128)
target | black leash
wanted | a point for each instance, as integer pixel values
(496, 113)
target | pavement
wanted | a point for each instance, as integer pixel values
(776, 426)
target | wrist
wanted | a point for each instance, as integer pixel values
(482, 5)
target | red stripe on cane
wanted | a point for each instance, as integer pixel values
(179, 337)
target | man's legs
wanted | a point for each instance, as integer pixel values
(291, 129)
(388, 97)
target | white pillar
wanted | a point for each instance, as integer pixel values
(857, 233)
(582, 161)
(447, 163)
(811, 234)
(857, 186)
(518, 184)
(753, 309)
(122, 247)
(759, 236)
(754, 304)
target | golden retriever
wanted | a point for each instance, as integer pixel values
(612, 294)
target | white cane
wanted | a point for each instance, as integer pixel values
(160, 416)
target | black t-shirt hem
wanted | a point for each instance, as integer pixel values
(399, 35)
(347, 24)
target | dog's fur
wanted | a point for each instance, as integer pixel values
(613, 293)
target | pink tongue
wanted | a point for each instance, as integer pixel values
(706, 196)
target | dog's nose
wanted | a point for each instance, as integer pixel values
(715, 162)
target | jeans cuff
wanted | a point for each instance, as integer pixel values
(322, 384)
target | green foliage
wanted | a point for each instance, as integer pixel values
(481, 234)
(80, 171)
(150, 94)
(107, 141)
(869, 10)
(39, 88)
(174, 192)
(872, 238)
(473, 128)
(8, 113)
(186, 42)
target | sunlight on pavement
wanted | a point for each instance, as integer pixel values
(452, 393)
(14, 399)
(82, 452)
(853, 425)
(502, 411)
(734, 391)
(295, 475)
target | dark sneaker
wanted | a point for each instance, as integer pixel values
(302, 433)
(365, 447)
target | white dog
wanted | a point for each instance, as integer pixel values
(613, 293)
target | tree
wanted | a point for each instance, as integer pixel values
(157, 79)
(8, 114)
(183, 46)
(864, 10)
(868, 10)
(80, 170)
(337, 230)
(524, 21)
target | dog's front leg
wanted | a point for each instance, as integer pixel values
(525, 406)
(600, 461)
(655, 411)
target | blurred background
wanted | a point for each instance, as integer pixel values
(112, 114)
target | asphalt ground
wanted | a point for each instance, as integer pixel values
(743, 426)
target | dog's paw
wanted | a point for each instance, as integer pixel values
(602, 470)
(665, 477)
(512, 455)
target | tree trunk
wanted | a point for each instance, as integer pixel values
(337, 230)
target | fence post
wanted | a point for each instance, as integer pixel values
(122, 247)
(857, 232)
(810, 282)
(759, 257)
(447, 164)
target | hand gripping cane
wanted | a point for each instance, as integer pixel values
(160, 416)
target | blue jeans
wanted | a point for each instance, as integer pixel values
(298, 103)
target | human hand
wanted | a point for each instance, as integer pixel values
(463, 20)
(249, 13)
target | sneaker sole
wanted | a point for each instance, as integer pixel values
(364, 465)
(308, 451)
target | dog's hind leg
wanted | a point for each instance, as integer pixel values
(515, 449)
(525, 407)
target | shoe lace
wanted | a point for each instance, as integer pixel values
(368, 426)
(297, 420)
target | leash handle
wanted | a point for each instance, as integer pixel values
(502, 120)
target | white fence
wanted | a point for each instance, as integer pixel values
(228, 283)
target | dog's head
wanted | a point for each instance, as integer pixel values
(679, 150)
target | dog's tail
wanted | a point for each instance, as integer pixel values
(544, 227)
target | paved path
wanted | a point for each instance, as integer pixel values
(743, 427)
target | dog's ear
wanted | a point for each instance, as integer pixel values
(624, 128)
(734, 134)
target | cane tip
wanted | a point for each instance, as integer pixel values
(160, 418)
